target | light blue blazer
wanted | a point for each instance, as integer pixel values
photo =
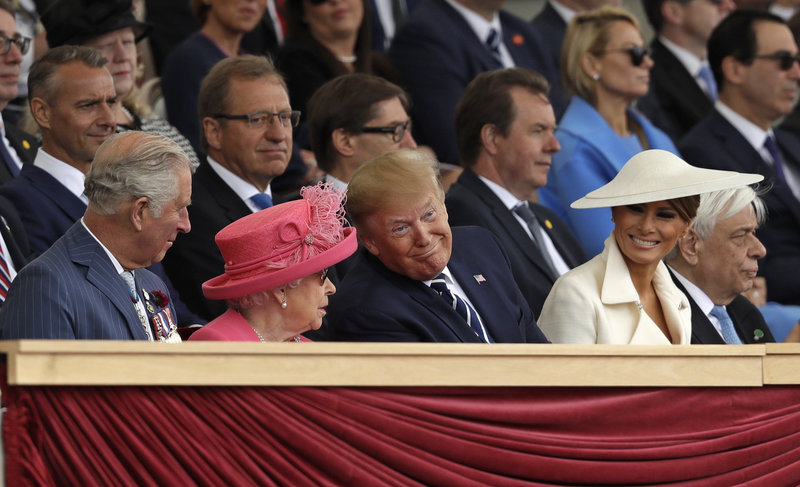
(591, 155)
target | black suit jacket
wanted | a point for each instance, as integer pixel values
(376, 304)
(552, 28)
(680, 101)
(24, 144)
(471, 202)
(716, 144)
(195, 258)
(745, 316)
(13, 234)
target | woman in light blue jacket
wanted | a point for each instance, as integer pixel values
(606, 66)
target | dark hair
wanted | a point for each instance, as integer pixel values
(347, 102)
(686, 206)
(487, 100)
(297, 28)
(215, 91)
(735, 36)
(43, 70)
(652, 8)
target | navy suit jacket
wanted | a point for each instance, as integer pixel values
(194, 257)
(47, 208)
(73, 291)
(471, 202)
(716, 144)
(378, 34)
(745, 316)
(437, 54)
(24, 144)
(376, 304)
(13, 234)
(677, 102)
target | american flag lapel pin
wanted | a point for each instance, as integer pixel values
(479, 278)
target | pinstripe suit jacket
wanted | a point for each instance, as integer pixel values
(73, 291)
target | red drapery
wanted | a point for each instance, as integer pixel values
(401, 436)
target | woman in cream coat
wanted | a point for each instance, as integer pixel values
(625, 294)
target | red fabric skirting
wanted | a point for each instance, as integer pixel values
(401, 436)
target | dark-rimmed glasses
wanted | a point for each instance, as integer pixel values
(258, 120)
(23, 43)
(637, 53)
(397, 131)
(785, 59)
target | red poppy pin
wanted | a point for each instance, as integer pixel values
(160, 298)
(517, 40)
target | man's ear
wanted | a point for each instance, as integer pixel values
(489, 138)
(690, 247)
(213, 132)
(343, 142)
(733, 70)
(138, 213)
(41, 112)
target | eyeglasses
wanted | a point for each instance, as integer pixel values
(785, 59)
(317, 2)
(258, 120)
(398, 131)
(23, 43)
(637, 53)
(323, 275)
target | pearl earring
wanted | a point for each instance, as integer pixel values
(283, 301)
(595, 76)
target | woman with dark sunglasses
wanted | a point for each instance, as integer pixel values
(605, 65)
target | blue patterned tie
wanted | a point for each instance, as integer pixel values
(777, 160)
(493, 43)
(707, 76)
(5, 278)
(464, 310)
(728, 331)
(261, 200)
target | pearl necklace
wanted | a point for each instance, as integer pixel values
(347, 59)
(261, 338)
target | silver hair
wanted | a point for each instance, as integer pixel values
(257, 299)
(132, 165)
(721, 205)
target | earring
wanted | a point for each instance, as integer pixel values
(595, 76)
(283, 301)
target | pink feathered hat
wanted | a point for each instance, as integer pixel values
(282, 243)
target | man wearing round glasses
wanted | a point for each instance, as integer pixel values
(754, 58)
(247, 124)
(355, 118)
(18, 147)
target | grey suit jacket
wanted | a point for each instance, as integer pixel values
(73, 291)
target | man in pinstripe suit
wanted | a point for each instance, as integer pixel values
(138, 187)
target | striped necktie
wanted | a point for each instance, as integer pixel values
(461, 307)
(493, 43)
(5, 278)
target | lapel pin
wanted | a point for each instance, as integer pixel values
(26, 144)
(479, 278)
(758, 334)
(517, 40)
(548, 224)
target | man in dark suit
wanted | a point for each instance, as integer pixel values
(245, 152)
(443, 45)
(18, 147)
(716, 261)
(415, 280)
(681, 85)
(385, 17)
(505, 125)
(752, 55)
(92, 284)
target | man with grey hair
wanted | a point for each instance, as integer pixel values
(716, 261)
(91, 284)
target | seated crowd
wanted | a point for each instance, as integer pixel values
(573, 183)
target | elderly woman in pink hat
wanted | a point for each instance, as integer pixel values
(276, 263)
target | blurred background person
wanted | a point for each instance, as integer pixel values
(605, 65)
(626, 295)
(275, 279)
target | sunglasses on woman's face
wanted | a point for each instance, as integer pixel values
(637, 53)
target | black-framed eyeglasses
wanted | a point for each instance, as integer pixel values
(258, 120)
(785, 59)
(23, 43)
(323, 275)
(397, 131)
(637, 53)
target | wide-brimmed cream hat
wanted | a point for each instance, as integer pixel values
(656, 175)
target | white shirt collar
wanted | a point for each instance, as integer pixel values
(691, 62)
(565, 12)
(336, 182)
(71, 177)
(508, 199)
(242, 188)
(114, 260)
(750, 131)
(478, 24)
(701, 299)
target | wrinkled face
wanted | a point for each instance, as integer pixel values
(700, 17)
(768, 91)
(119, 47)
(645, 233)
(727, 261)
(237, 16)
(368, 146)
(79, 116)
(410, 235)
(523, 157)
(306, 303)
(618, 76)
(159, 232)
(257, 155)
(9, 63)
(333, 19)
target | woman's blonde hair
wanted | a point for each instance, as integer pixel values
(589, 32)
